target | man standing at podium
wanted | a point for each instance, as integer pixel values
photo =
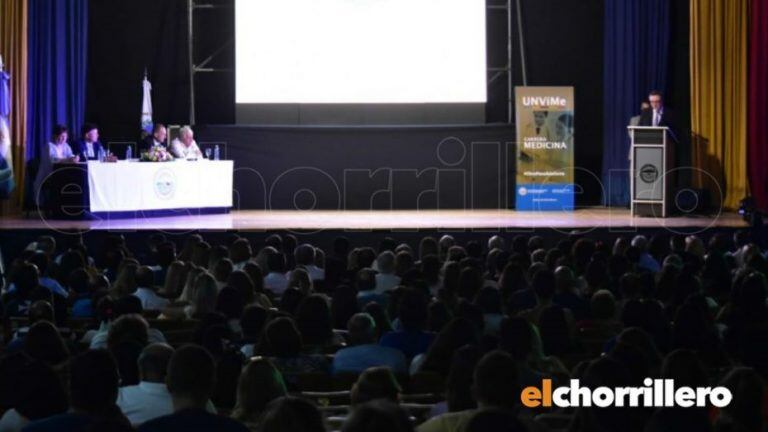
(658, 115)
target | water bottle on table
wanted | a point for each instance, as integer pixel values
(216, 153)
(129, 153)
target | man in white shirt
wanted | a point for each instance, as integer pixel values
(365, 352)
(145, 279)
(185, 147)
(150, 398)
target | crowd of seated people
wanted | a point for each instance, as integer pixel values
(187, 334)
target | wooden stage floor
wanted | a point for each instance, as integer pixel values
(253, 220)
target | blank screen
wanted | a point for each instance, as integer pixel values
(360, 51)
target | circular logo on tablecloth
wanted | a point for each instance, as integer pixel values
(649, 173)
(165, 183)
(522, 191)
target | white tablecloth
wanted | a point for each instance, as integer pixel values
(136, 186)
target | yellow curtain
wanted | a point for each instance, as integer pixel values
(13, 48)
(719, 98)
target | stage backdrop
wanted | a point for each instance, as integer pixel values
(364, 168)
(544, 118)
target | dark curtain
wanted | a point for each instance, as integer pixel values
(58, 36)
(635, 61)
(125, 38)
(757, 134)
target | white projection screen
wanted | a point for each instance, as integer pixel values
(360, 61)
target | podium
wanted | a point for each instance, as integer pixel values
(650, 170)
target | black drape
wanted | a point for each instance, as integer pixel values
(126, 37)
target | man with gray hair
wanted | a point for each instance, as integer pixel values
(364, 352)
(185, 147)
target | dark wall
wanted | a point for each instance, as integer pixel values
(563, 45)
(126, 37)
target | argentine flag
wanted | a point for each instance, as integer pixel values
(146, 106)
(6, 163)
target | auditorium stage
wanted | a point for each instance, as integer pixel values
(616, 220)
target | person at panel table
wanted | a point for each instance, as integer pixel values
(159, 134)
(185, 147)
(88, 146)
(59, 150)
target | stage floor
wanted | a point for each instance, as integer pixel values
(251, 220)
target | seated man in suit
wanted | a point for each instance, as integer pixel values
(159, 134)
(185, 147)
(88, 146)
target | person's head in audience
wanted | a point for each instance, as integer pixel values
(497, 420)
(313, 318)
(343, 305)
(42, 261)
(300, 279)
(145, 277)
(544, 286)
(379, 314)
(554, 331)
(201, 252)
(174, 279)
(240, 251)
(458, 383)
(93, 385)
(517, 337)
(366, 256)
(455, 334)
(428, 246)
(159, 133)
(153, 362)
(222, 269)
(38, 391)
(291, 414)
(129, 327)
(385, 262)
(256, 273)
(40, 311)
(361, 329)
(252, 322)
(606, 372)
(230, 303)
(413, 310)
(745, 412)
(445, 243)
(260, 383)
(365, 279)
(304, 254)
(512, 279)
(240, 281)
(79, 282)
(126, 283)
(191, 377)
(375, 383)
(291, 299)
(283, 338)
(26, 278)
(44, 343)
(378, 416)
(603, 306)
(438, 316)
(496, 381)
(275, 261)
(204, 295)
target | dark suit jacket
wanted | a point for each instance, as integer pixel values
(147, 143)
(79, 149)
(667, 119)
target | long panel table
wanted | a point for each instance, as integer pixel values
(132, 187)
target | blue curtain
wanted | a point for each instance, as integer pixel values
(635, 62)
(58, 49)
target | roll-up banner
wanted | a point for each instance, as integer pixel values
(544, 123)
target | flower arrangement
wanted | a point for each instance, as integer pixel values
(156, 154)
